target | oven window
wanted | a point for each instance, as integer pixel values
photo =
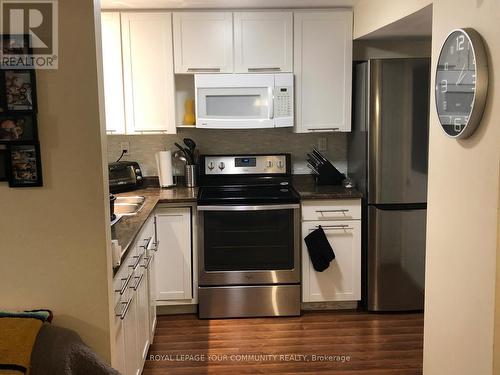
(248, 240)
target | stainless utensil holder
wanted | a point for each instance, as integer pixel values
(191, 175)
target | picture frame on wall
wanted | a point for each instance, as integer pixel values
(15, 44)
(19, 90)
(15, 127)
(3, 163)
(24, 166)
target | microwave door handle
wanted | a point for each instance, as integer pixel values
(271, 106)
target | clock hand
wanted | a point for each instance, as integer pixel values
(460, 76)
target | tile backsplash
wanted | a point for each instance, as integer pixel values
(144, 147)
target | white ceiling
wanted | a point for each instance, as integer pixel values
(415, 26)
(229, 4)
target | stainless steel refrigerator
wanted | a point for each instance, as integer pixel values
(388, 150)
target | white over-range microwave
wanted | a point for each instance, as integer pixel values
(244, 101)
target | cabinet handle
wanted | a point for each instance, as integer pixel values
(124, 287)
(157, 243)
(271, 107)
(148, 260)
(136, 286)
(332, 227)
(324, 130)
(147, 241)
(270, 69)
(206, 70)
(338, 210)
(138, 260)
(125, 305)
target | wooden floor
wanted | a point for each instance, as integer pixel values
(357, 343)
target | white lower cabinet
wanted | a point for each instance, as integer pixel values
(174, 264)
(133, 326)
(341, 281)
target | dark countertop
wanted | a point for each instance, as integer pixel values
(127, 229)
(307, 189)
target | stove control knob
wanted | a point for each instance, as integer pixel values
(222, 165)
(269, 164)
(211, 165)
(280, 164)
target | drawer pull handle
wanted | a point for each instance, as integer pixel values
(332, 227)
(147, 241)
(148, 261)
(137, 261)
(126, 306)
(124, 287)
(136, 286)
(270, 69)
(341, 211)
(207, 70)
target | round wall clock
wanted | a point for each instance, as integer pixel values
(461, 83)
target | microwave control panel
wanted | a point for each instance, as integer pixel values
(283, 105)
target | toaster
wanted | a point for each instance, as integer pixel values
(124, 176)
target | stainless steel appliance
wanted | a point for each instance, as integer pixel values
(388, 160)
(244, 101)
(124, 176)
(249, 233)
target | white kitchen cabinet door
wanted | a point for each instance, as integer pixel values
(203, 42)
(341, 281)
(263, 41)
(142, 294)
(118, 358)
(132, 361)
(148, 72)
(323, 70)
(112, 71)
(152, 296)
(173, 258)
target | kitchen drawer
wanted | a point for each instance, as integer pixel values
(342, 209)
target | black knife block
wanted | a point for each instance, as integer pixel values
(329, 175)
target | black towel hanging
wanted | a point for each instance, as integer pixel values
(319, 249)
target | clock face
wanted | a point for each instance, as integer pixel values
(456, 83)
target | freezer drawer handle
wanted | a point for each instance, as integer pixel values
(324, 129)
(333, 227)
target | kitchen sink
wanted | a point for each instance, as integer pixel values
(128, 205)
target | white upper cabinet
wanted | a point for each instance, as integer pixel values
(112, 70)
(323, 70)
(203, 42)
(148, 72)
(263, 41)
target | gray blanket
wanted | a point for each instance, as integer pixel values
(60, 351)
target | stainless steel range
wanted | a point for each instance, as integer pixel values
(249, 258)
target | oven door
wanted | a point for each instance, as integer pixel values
(249, 245)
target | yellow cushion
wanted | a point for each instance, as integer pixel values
(17, 337)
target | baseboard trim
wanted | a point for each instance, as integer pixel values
(331, 305)
(176, 309)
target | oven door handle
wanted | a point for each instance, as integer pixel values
(250, 207)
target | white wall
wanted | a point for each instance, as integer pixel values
(371, 15)
(463, 201)
(54, 238)
(462, 216)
